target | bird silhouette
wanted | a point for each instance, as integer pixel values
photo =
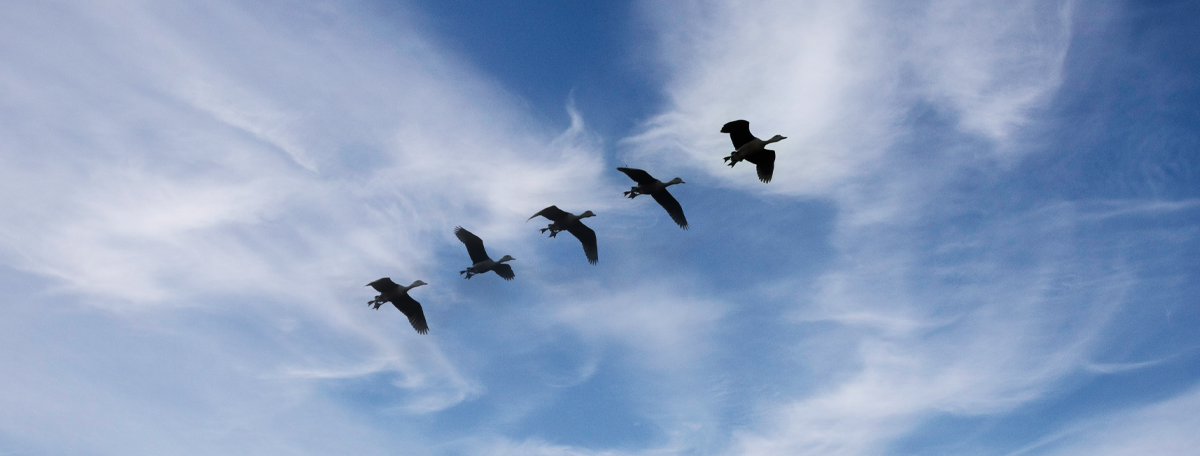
(392, 292)
(480, 260)
(648, 185)
(751, 149)
(571, 223)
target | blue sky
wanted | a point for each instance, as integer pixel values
(982, 236)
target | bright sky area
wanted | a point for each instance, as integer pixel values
(982, 236)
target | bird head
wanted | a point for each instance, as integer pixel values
(506, 258)
(417, 284)
(676, 181)
(586, 214)
(776, 138)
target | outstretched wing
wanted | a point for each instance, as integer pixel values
(739, 133)
(765, 161)
(473, 243)
(641, 177)
(505, 271)
(673, 208)
(588, 238)
(412, 309)
(383, 285)
(552, 213)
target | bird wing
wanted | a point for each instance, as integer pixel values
(765, 161)
(552, 213)
(641, 177)
(412, 309)
(473, 243)
(739, 133)
(383, 285)
(505, 271)
(673, 208)
(588, 238)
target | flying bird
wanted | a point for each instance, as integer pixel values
(571, 223)
(479, 257)
(390, 291)
(648, 185)
(749, 148)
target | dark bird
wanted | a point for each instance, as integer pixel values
(749, 148)
(479, 256)
(648, 185)
(566, 221)
(390, 291)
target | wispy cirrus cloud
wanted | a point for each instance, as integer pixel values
(242, 163)
(1161, 428)
(938, 307)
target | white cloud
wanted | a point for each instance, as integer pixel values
(665, 324)
(257, 162)
(839, 79)
(935, 315)
(1167, 427)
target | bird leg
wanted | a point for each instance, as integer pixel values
(633, 192)
(732, 159)
(553, 232)
(467, 272)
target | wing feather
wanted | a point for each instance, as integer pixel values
(383, 285)
(552, 213)
(673, 208)
(473, 243)
(739, 133)
(588, 238)
(505, 271)
(765, 161)
(412, 309)
(639, 176)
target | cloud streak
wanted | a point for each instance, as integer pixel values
(236, 163)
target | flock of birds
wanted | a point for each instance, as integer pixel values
(746, 148)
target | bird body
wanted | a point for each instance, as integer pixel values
(397, 294)
(648, 185)
(481, 262)
(566, 221)
(751, 149)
